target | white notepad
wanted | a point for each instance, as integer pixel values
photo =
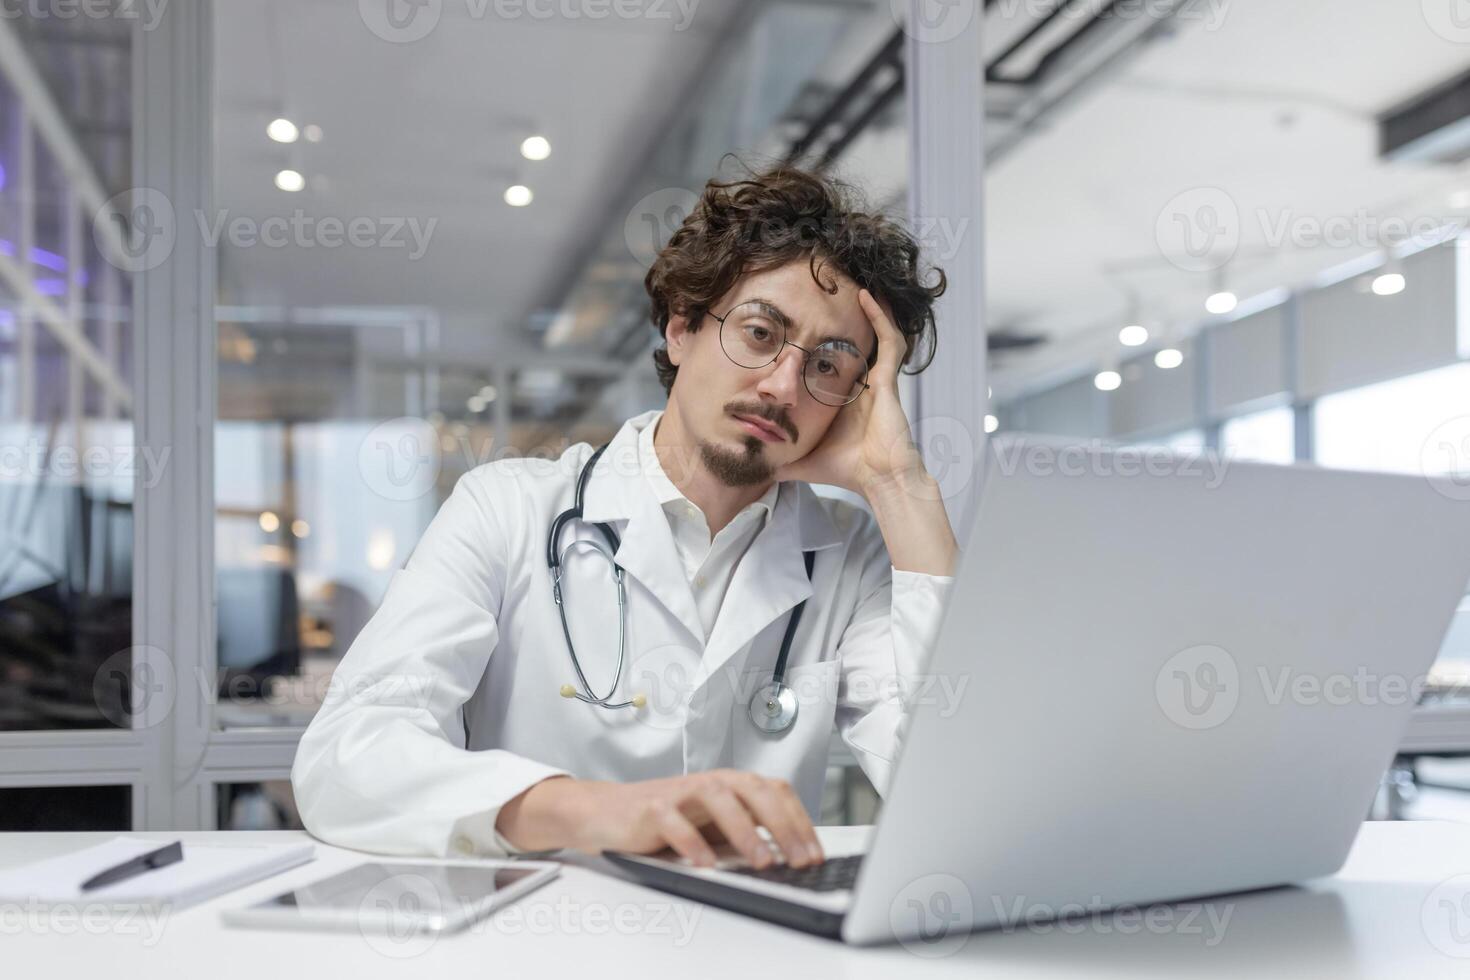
(207, 870)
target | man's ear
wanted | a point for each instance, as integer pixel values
(676, 337)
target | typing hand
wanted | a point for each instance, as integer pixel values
(685, 813)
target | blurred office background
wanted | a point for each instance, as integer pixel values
(1227, 226)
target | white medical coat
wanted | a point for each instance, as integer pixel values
(447, 704)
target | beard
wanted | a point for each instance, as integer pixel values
(746, 467)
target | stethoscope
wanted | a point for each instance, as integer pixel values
(772, 708)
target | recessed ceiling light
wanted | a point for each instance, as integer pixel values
(1169, 358)
(1107, 380)
(1389, 284)
(1133, 335)
(1222, 302)
(535, 148)
(281, 130)
(991, 423)
(518, 195)
(313, 133)
(290, 180)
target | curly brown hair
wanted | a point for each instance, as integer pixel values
(748, 226)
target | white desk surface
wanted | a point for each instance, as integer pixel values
(1400, 908)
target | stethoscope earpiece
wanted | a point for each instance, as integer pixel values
(772, 708)
(637, 701)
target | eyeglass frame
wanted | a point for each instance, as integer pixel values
(785, 340)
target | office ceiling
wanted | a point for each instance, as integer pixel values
(1274, 104)
(429, 130)
(1271, 103)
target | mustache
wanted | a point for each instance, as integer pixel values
(772, 414)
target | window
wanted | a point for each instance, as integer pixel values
(1417, 424)
(67, 458)
(1262, 437)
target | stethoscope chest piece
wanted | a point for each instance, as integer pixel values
(773, 707)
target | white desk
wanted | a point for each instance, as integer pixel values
(1383, 916)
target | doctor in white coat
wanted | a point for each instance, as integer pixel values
(458, 722)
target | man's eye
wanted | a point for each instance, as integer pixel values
(826, 367)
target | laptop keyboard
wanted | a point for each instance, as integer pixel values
(832, 875)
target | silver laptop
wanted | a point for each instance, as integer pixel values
(1186, 677)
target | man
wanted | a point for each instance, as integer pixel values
(454, 725)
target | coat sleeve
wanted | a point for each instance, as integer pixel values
(384, 765)
(885, 649)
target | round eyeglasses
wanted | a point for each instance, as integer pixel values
(753, 333)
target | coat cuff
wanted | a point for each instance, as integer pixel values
(475, 835)
(919, 601)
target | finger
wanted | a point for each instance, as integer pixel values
(680, 833)
(890, 338)
(735, 822)
(771, 801)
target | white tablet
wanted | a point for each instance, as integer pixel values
(393, 898)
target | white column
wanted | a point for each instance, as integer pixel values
(945, 91)
(175, 363)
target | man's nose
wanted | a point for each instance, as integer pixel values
(783, 379)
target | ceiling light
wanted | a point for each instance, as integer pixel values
(1107, 380)
(300, 528)
(1389, 284)
(290, 180)
(281, 130)
(269, 522)
(1133, 335)
(1222, 302)
(312, 132)
(991, 423)
(535, 148)
(1169, 358)
(518, 195)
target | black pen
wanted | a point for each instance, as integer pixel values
(168, 854)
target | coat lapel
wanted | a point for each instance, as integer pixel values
(768, 582)
(618, 490)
